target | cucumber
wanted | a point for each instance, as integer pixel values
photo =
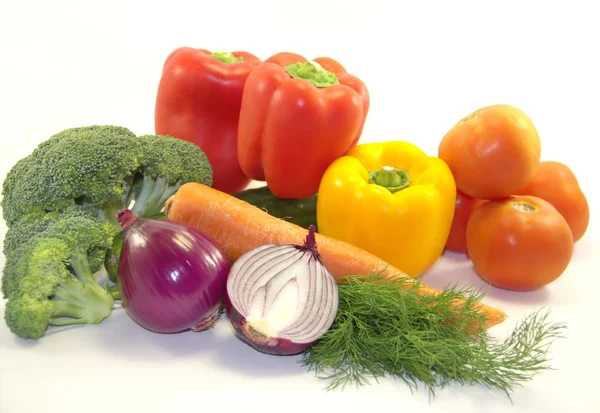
(302, 212)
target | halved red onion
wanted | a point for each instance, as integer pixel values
(281, 299)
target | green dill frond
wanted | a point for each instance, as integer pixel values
(385, 329)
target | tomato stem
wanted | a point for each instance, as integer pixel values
(523, 207)
(390, 178)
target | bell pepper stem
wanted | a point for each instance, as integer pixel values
(226, 57)
(390, 178)
(313, 72)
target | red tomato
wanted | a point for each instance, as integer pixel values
(519, 242)
(492, 152)
(465, 205)
(557, 184)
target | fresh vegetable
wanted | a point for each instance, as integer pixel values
(89, 165)
(82, 175)
(49, 279)
(172, 277)
(390, 199)
(105, 167)
(199, 99)
(165, 163)
(113, 258)
(239, 227)
(297, 117)
(302, 212)
(556, 183)
(465, 205)
(493, 152)
(384, 327)
(17, 242)
(31, 225)
(519, 242)
(280, 298)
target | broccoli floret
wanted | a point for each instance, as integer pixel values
(28, 317)
(91, 165)
(166, 164)
(104, 167)
(88, 237)
(38, 221)
(15, 267)
(51, 279)
(88, 240)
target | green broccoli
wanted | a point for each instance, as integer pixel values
(91, 165)
(38, 221)
(60, 204)
(166, 164)
(104, 167)
(49, 279)
(14, 268)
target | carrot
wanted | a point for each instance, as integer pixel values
(239, 227)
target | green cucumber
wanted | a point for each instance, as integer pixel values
(302, 212)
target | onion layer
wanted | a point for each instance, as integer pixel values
(172, 277)
(281, 299)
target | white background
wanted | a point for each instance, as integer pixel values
(426, 64)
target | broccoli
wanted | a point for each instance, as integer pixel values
(166, 164)
(14, 267)
(38, 221)
(60, 204)
(91, 165)
(104, 167)
(49, 279)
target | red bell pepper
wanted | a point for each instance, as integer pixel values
(296, 118)
(198, 100)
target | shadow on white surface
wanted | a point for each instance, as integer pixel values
(122, 337)
(458, 270)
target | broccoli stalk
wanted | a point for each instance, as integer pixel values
(109, 211)
(166, 163)
(152, 197)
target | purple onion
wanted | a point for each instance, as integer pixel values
(172, 277)
(281, 299)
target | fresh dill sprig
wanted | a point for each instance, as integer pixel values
(384, 328)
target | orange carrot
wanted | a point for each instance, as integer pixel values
(239, 227)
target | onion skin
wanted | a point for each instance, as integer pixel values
(172, 277)
(272, 346)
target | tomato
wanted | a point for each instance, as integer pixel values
(556, 183)
(519, 242)
(493, 152)
(465, 205)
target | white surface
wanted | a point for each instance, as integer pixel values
(68, 63)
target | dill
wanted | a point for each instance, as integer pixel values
(384, 328)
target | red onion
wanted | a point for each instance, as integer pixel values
(172, 277)
(281, 299)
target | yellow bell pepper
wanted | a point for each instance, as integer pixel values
(390, 199)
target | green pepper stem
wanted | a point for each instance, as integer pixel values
(390, 178)
(226, 57)
(313, 72)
